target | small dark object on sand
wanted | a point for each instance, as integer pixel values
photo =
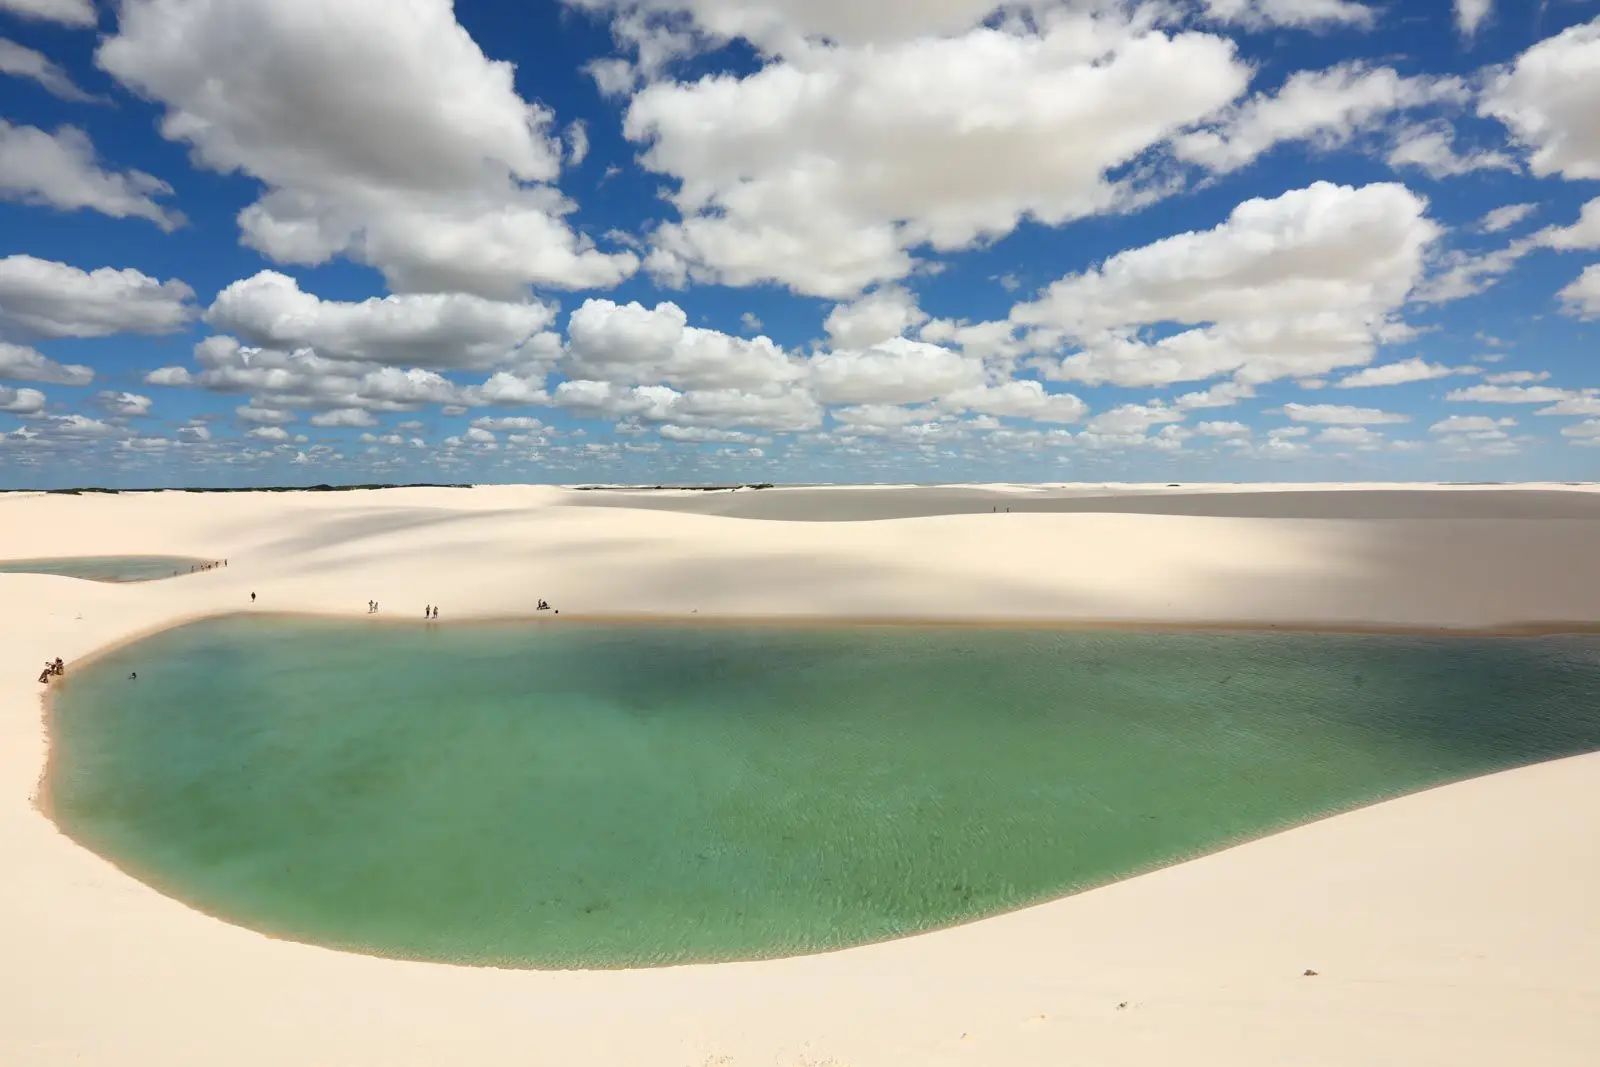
(1309, 973)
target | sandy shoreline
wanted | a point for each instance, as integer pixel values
(1451, 926)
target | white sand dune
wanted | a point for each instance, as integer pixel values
(1453, 927)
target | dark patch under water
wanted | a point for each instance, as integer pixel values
(542, 795)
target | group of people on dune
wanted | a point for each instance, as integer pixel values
(56, 667)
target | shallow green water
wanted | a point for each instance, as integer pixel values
(104, 568)
(559, 796)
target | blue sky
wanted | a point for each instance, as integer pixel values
(287, 241)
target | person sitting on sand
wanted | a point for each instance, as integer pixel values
(61, 667)
(44, 676)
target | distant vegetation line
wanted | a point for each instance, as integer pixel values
(79, 491)
(697, 488)
(324, 488)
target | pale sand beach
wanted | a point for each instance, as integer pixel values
(1451, 927)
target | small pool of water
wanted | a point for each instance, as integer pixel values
(106, 568)
(555, 796)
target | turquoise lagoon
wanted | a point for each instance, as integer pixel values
(548, 795)
(104, 568)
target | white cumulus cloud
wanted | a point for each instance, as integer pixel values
(53, 299)
(19, 363)
(78, 13)
(20, 62)
(1582, 297)
(630, 344)
(1509, 394)
(1431, 148)
(1298, 14)
(1341, 415)
(1017, 399)
(433, 330)
(1325, 108)
(60, 170)
(127, 405)
(1549, 98)
(898, 371)
(1505, 217)
(20, 401)
(887, 312)
(1415, 369)
(381, 131)
(1470, 14)
(1295, 286)
(815, 172)
(1470, 424)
